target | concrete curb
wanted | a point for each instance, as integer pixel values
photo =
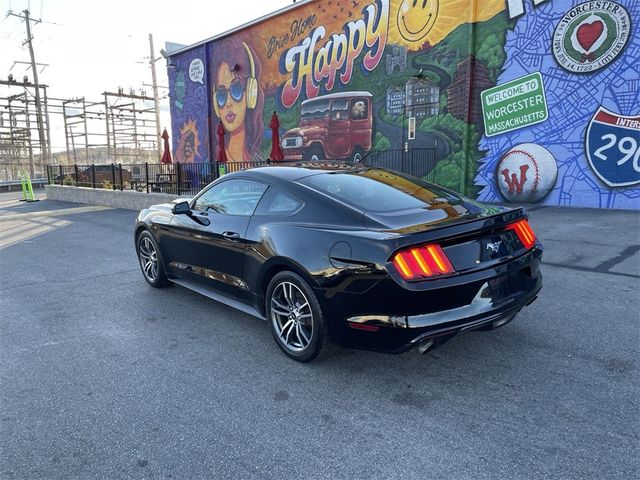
(128, 199)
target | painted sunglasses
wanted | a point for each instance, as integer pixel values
(236, 89)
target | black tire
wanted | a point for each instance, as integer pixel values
(314, 153)
(356, 156)
(146, 247)
(311, 334)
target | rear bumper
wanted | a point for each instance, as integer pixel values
(475, 316)
(496, 299)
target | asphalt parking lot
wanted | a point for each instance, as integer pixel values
(102, 376)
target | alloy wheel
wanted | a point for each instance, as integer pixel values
(148, 259)
(292, 316)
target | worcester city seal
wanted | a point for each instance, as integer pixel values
(591, 35)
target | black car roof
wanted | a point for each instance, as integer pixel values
(293, 172)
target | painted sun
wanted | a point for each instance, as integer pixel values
(188, 143)
(414, 22)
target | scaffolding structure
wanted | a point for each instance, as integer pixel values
(84, 129)
(122, 126)
(131, 128)
(20, 144)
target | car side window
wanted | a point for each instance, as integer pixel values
(232, 197)
(276, 202)
(340, 110)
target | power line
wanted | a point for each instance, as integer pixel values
(34, 72)
(156, 100)
(51, 23)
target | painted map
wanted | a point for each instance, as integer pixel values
(572, 99)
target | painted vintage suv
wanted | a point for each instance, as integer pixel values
(334, 126)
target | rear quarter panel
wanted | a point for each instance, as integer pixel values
(317, 253)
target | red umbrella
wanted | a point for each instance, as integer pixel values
(276, 150)
(222, 154)
(166, 156)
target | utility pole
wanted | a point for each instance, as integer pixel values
(156, 101)
(43, 140)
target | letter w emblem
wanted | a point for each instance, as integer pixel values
(515, 185)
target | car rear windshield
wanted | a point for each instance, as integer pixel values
(376, 190)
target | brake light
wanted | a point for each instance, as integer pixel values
(524, 232)
(422, 262)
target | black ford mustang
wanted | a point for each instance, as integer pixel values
(363, 256)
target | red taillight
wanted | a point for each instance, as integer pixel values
(422, 262)
(524, 232)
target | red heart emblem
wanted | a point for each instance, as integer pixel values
(589, 33)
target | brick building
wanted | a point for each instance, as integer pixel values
(463, 95)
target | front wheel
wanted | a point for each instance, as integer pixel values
(150, 262)
(295, 317)
(314, 154)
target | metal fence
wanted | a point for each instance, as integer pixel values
(190, 178)
(173, 178)
(418, 162)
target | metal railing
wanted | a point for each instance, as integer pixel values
(190, 178)
(418, 162)
(172, 178)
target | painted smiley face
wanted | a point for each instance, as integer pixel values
(416, 18)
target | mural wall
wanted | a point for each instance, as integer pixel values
(525, 101)
(189, 93)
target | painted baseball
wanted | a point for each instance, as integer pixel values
(526, 173)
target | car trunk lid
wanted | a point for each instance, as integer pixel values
(474, 237)
(441, 213)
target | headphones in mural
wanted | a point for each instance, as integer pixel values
(236, 89)
(252, 83)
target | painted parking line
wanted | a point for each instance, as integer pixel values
(18, 227)
(60, 212)
(21, 230)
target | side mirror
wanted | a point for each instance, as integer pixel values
(181, 208)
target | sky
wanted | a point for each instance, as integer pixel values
(95, 46)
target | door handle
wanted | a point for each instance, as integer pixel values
(231, 235)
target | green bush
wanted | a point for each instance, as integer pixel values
(381, 143)
(68, 180)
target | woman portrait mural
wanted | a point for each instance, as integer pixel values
(238, 99)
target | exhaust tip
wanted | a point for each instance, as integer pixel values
(425, 346)
(503, 321)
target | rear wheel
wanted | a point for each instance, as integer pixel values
(356, 156)
(295, 317)
(150, 262)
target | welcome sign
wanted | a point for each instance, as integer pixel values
(516, 104)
